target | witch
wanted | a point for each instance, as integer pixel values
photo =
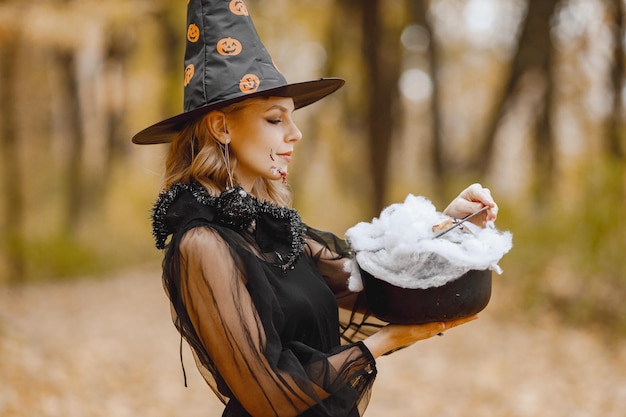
(254, 291)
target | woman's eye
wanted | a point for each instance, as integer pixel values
(274, 121)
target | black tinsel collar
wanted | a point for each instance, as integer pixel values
(278, 231)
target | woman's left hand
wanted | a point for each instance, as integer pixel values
(472, 199)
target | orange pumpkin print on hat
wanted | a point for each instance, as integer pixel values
(229, 47)
(249, 84)
(193, 33)
(189, 71)
(238, 7)
(226, 62)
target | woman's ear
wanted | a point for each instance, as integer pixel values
(216, 123)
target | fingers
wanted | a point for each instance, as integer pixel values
(394, 336)
(471, 199)
(478, 193)
(468, 206)
(484, 196)
(454, 323)
(439, 327)
(447, 325)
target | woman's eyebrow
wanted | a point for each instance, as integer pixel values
(278, 107)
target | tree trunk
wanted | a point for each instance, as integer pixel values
(381, 48)
(534, 55)
(74, 173)
(13, 200)
(117, 52)
(615, 136)
(418, 10)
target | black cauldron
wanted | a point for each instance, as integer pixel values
(462, 297)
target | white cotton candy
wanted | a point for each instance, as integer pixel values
(399, 247)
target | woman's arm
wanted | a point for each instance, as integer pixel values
(226, 322)
(229, 327)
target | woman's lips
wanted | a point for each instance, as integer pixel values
(285, 156)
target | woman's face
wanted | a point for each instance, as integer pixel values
(262, 137)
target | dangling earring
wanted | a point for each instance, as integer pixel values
(224, 151)
(226, 155)
(193, 147)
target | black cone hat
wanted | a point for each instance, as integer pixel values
(225, 62)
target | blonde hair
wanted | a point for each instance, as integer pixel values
(195, 155)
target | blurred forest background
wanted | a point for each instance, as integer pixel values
(524, 96)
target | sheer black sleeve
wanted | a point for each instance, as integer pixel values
(239, 352)
(334, 259)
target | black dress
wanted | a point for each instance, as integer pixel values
(254, 292)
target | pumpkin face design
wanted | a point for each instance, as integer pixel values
(238, 7)
(249, 83)
(189, 71)
(229, 47)
(193, 33)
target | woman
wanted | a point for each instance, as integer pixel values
(253, 290)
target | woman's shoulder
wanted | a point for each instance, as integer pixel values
(202, 239)
(180, 207)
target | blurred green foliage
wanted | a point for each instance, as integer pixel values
(568, 256)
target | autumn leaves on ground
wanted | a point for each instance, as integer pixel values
(106, 347)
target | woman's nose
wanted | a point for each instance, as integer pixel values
(294, 134)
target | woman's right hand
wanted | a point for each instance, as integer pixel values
(396, 336)
(471, 199)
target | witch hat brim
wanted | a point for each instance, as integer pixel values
(303, 94)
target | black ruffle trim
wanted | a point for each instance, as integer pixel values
(277, 230)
